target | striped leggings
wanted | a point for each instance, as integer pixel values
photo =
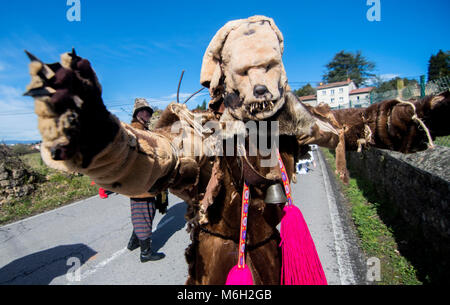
(142, 213)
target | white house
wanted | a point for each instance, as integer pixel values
(336, 94)
(343, 94)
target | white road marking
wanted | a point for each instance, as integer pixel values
(103, 263)
(115, 255)
(346, 273)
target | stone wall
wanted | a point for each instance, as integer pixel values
(416, 185)
(419, 184)
(16, 180)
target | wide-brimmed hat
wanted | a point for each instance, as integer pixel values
(140, 104)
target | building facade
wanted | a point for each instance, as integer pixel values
(340, 95)
(337, 95)
(360, 97)
(309, 100)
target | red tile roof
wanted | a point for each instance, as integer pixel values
(337, 84)
(362, 90)
(307, 97)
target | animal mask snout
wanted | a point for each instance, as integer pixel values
(260, 90)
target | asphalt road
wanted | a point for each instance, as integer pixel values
(85, 242)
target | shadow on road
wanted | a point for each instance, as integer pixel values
(42, 267)
(172, 222)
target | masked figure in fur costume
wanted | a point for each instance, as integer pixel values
(243, 69)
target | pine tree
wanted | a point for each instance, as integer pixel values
(346, 65)
(439, 65)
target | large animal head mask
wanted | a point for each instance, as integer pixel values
(243, 69)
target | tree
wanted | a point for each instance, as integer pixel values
(349, 65)
(305, 90)
(392, 84)
(202, 107)
(389, 89)
(439, 65)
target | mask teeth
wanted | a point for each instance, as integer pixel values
(260, 106)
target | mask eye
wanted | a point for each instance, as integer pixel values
(243, 71)
(270, 66)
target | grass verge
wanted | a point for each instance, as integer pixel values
(56, 189)
(443, 141)
(377, 238)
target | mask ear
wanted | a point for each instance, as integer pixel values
(211, 72)
(284, 80)
(209, 66)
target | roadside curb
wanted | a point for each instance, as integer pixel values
(48, 212)
(345, 259)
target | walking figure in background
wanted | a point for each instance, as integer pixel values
(302, 166)
(313, 147)
(143, 207)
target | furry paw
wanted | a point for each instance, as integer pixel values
(72, 118)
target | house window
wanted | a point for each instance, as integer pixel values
(324, 92)
(341, 99)
(341, 90)
(332, 91)
(332, 100)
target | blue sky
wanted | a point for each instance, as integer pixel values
(139, 48)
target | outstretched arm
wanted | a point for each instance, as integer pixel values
(80, 135)
(405, 126)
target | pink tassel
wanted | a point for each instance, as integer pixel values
(239, 276)
(300, 262)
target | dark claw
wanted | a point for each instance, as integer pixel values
(46, 70)
(54, 67)
(47, 91)
(32, 57)
(73, 54)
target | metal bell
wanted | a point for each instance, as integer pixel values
(275, 194)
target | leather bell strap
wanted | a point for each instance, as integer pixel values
(243, 231)
(285, 179)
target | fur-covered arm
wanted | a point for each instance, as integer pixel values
(80, 135)
(405, 126)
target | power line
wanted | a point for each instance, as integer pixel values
(117, 104)
(16, 114)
